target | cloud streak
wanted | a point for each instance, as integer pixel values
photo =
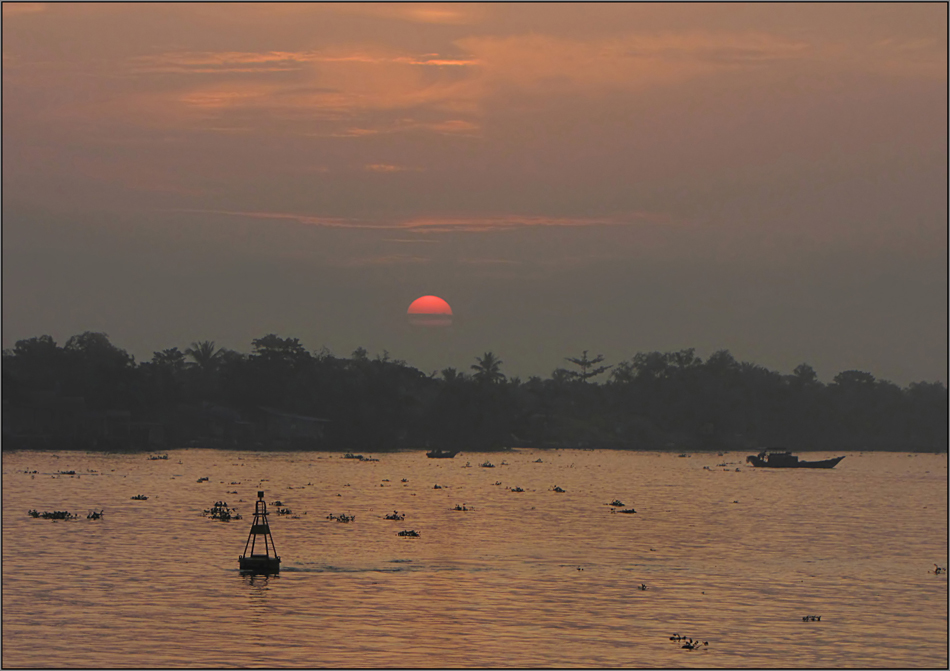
(469, 224)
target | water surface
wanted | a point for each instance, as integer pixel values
(729, 554)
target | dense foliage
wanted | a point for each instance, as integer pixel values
(655, 400)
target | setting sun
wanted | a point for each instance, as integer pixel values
(429, 311)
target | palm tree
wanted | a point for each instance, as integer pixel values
(488, 369)
(205, 356)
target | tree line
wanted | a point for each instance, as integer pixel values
(654, 400)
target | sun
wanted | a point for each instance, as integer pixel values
(429, 311)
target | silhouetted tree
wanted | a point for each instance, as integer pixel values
(204, 355)
(488, 369)
(589, 367)
(652, 400)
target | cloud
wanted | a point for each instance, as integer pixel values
(204, 62)
(20, 8)
(425, 12)
(356, 91)
(384, 167)
(556, 64)
(471, 224)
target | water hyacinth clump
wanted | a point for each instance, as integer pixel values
(221, 511)
(54, 515)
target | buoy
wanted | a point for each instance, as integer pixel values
(253, 561)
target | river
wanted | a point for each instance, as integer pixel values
(717, 551)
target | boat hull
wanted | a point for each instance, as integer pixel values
(254, 564)
(764, 463)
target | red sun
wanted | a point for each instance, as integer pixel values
(429, 311)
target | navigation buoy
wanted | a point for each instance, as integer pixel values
(254, 562)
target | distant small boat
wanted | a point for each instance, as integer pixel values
(788, 460)
(441, 454)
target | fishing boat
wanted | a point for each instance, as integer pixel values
(253, 561)
(788, 460)
(441, 454)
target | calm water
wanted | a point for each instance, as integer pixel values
(732, 558)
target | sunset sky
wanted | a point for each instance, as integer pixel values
(768, 179)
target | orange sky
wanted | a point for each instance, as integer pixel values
(767, 178)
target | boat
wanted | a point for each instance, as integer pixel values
(441, 454)
(788, 460)
(256, 562)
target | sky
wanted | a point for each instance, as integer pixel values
(769, 179)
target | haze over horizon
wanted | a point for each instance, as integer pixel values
(769, 179)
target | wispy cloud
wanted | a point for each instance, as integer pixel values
(472, 224)
(419, 12)
(385, 167)
(205, 62)
(20, 8)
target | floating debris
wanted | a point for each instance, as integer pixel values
(54, 515)
(140, 497)
(688, 643)
(812, 618)
(410, 532)
(617, 503)
(396, 516)
(221, 511)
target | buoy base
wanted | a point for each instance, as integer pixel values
(259, 564)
